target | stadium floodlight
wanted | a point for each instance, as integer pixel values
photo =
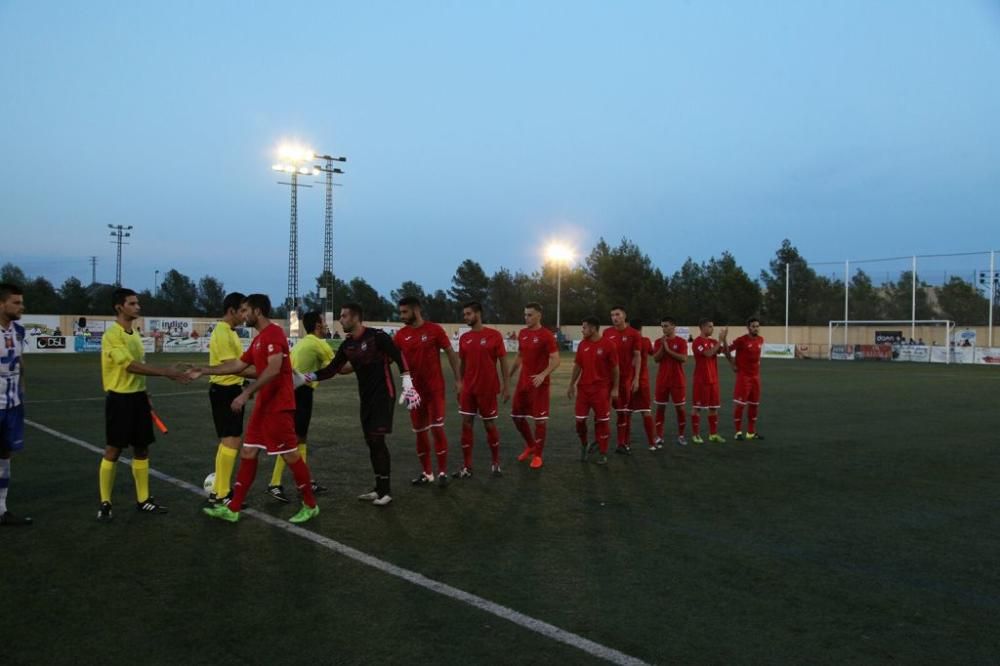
(329, 171)
(293, 161)
(293, 153)
(559, 254)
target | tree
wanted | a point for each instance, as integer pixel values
(438, 307)
(470, 283)
(962, 303)
(408, 288)
(178, 294)
(13, 274)
(625, 276)
(41, 296)
(73, 297)
(688, 302)
(735, 296)
(864, 300)
(899, 298)
(211, 293)
(505, 302)
(375, 307)
(100, 299)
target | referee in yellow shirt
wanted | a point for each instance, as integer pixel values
(308, 355)
(225, 345)
(127, 414)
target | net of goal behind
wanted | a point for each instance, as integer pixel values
(915, 341)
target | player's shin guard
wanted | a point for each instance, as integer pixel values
(424, 451)
(713, 424)
(696, 422)
(467, 445)
(681, 419)
(738, 416)
(303, 481)
(660, 416)
(581, 431)
(647, 425)
(541, 427)
(381, 463)
(107, 478)
(603, 431)
(493, 439)
(752, 418)
(244, 479)
(522, 426)
(140, 474)
(440, 448)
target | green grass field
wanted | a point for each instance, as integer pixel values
(865, 529)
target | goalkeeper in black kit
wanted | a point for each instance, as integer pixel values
(370, 352)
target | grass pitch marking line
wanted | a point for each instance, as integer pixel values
(157, 395)
(503, 612)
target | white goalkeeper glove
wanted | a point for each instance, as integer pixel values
(409, 394)
(298, 379)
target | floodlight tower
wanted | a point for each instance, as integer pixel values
(293, 159)
(559, 254)
(329, 170)
(119, 233)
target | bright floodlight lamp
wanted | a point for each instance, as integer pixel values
(559, 254)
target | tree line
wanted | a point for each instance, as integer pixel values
(610, 275)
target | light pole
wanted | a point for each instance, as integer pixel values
(329, 170)
(293, 159)
(559, 254)
(156, 283)
(119, 233)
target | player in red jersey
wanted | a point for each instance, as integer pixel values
(478, 351)
(595, 371)
(671, 352)
(537, 358)
(639, 402)
(706, 381)
(421, 343)
(272, 422)
(629, 344)
(746, 392)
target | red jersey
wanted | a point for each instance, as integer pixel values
(421, 347)
(706, 368)
(597, 361)
(277, 395)
(479, 351)
(748, 350)
(671, 371)
(647, 348)
(628, 342)
(534, 346)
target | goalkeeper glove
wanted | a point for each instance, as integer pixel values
(409, 394)
(298, 379)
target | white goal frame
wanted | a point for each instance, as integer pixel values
(949, 326)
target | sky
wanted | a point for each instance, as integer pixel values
(481, 130)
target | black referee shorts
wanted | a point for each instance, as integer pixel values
(227, 422)
(128, 420)
(303, 411)
(376, 415)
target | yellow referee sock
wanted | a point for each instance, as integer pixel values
(107, 478)
(225, 461)
(279, 465)
(302, 451)
(140, 473)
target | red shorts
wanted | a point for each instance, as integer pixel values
(483, 405)
(593, 398)
(531, 402)
(430, 413)
(272, 431)
(639, 402)
(747, 389)
(706, 396)
(674, 394)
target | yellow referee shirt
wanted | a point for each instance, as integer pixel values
(118, 349)
(310, 354)
(224, 345)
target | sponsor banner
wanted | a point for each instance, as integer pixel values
(872, 352)
(93, 327)
(149, 345)
(177, 345)
(777, 351)
(957, 354)
(35, 325)
(87, 343)
(510, 345)
(911, 353)
(987, 355)
(842, 352)
(50, 344)
(175, 327)
(965, 338)
(889, 337)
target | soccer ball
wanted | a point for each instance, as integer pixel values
(209, 483)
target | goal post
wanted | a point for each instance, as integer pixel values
(949, 327)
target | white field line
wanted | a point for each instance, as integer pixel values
(509, 614)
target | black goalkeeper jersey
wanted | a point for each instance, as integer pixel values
(370, 355)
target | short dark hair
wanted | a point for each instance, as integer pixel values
(409, 301)
(592, 320)
(475, 306)
(620, 307)
(752, 320)
(355, 309)
(259, 302)
(8, 289)
(668, 320)
(534, 305)
(705, 320)
(120, 295)
(311, 319)
(232, 301)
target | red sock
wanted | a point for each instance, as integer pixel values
(647, 424)
(681, 420)
(244, 479)
(628, 428)
(424, 451)
(467, 445)
(738, 415)
(440, 448)
(752, 419)
(522, 427)
(541, 426)
(713, 424)
(603, 431)
(303, 481)
(493, 439)
(623, 419)
(696, 422)
(581, 431)
(660, 412)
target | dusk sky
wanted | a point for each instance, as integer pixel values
(857, 129)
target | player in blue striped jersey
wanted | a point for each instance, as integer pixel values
(12, 344)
